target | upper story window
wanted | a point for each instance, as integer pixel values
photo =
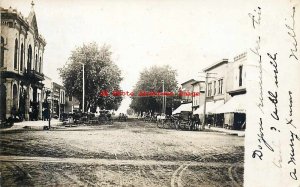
(36, 62)
(22, 56)
(40, 66)
(215, 87)
(2, 52)
(29, 59)
(16, 55)
(220, 86)
(209, 91)
(240, 75)
(70, 98)
(62, 97)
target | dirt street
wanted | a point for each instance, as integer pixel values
(123, 154)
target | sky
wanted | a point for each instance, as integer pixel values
(187, 35)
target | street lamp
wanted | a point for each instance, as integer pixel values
(83, 90)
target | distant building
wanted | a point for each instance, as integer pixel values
(21, 65)
(198, 87)
(72, 104)
(185, 88)
(58, 99)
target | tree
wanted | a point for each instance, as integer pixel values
(150, 80)
(101, 73)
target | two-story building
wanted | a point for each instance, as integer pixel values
(197, 101)
(58, 99)
(187, 87)
(186, 99)
(215, 92)
(72, 104)
(21, 65)
(234, 110)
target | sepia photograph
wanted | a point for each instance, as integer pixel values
(148, 93)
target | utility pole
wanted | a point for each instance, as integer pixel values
(204, 106)
(205, 94)
(83, 89)
(163, 103)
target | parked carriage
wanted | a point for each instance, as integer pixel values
(184, 120)
(122, 117)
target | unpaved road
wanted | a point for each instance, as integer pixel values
(122, 154)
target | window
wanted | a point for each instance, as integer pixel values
(16, 55)
(29, 59)
(62, 99)
(220, 86)
(2, 52)
(40, 66)
(209, 90)
(215, 87)
(240, 75)
(15, 96)
(70, 98)
(21, 60)
(36, 62)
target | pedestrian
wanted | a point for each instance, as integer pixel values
(30, 113)
(43, 115)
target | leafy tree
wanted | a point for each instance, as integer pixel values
(101, 73)
(150, 80)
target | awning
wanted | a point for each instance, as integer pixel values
(237, 104)
(210, 107)
(183, 107)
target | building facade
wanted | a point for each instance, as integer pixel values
(197, 101)
(72, 104)
(187, 87)
(58, 99)
(234, 109)
(21, 65)
(225, 104)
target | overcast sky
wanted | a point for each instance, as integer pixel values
(188, 35)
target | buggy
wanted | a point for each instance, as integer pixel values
(185, 120)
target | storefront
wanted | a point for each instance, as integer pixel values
(234, 112)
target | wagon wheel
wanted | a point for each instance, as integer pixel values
(168, 124)
(160, 124)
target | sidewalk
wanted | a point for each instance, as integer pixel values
(227, 131)
(39, 125)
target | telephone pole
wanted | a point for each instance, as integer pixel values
(83, 89)
(205, 95)
(163, 96)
